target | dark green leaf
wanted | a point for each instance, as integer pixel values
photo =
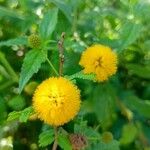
(139, 70)
(64, 7)
(138, 105)
(48, 23)
(31, 65)
(17, 103)
(113, 145)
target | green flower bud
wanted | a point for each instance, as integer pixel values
(34, 41)
(107, 137)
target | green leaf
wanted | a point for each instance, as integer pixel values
(10, 13)
(25, 114)
(13, 115)
(16, 41)
(104, 103)
(129, 133)
(17, 103)
(136, 104)
(128, 34)
(31, 65)
(81, 75)
(48, 23)
(139, 70)
(64, 7)
(22, 116)
(113, 145)
(63, 142)
(46, 138)
(89, 132)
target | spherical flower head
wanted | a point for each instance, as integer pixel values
(100, 60)
(56, 101)
(34, 41)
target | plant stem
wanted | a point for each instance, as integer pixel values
(61, 62)
(56, 139)
(8, 67)
(53, 68)
(61, 53)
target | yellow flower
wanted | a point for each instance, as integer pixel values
(56, 101)
(100, 60)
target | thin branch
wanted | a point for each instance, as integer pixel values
(61, 53)
(56, 139)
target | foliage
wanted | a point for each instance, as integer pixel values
(120, 105)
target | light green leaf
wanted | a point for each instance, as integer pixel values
(63, 142)
(46, 138)
(48, 23)
(25, 114)
(81, 75)
(31, 65)
(16, 41)
(13, 115)
(129, 133)
(64, 7)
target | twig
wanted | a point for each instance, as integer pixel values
(61, 53)
(56, 139)
(61, 62)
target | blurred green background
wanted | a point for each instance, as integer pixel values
(120, 106)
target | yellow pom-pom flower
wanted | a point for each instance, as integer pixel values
(100, 60)
(56, 101)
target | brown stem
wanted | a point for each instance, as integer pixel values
(61, 62)
(61, 53)
(56, 139)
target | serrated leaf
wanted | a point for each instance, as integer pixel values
(64, 7)
(31, 65)
(25, 114)
(46, 138)
(63, 142)
(81, 75)
(13, 115)
(16, 41)
(48, 23)
(89, 132)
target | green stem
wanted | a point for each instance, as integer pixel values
(8, 67)
(51, 65)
